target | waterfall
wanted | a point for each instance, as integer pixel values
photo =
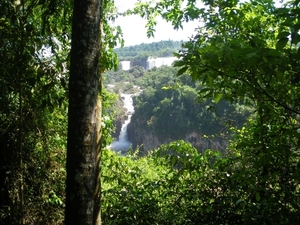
(158, 62)
(125, 65)
(122, 144)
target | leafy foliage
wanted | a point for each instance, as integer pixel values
(34, 52)
(244, 52)
(176, 185)
(169, 107)
(248, 51)
(33, 93)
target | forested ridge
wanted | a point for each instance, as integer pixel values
(244, 59)
(155, 49)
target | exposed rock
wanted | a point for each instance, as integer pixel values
(118, 124)
(145, 140)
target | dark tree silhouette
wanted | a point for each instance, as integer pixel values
(83, 148)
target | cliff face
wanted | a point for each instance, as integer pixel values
(118, 125)
(147, 140)
(139, 62)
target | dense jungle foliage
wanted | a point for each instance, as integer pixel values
(169, 106)
(245, 51)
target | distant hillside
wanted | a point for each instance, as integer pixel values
(154, 49)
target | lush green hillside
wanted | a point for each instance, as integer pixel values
(169, 108)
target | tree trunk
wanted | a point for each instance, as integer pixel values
(84, 121)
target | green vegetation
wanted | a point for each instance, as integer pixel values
(155, 49)
(177, 185)
(33, 111)
(245, 57)
(249, 52)
(169, 107)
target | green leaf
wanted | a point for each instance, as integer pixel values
(295, 38)
(288, 22)
(238, 201)
(265, 59)
(218, 97)
(280, 76)
(257, 196)
(179, 63)
(210, 81)
(282, 11)
(182, 70)
(281, 43)
(283, 34)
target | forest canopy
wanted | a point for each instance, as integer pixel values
(155, 49)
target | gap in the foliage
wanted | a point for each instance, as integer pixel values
(122, 144)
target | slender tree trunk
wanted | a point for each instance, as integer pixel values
(83, 148)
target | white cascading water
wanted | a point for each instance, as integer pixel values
(123, 144)
(158, 62)
(125, 65)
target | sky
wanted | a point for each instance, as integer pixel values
(134, 31)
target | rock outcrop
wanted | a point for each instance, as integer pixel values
(146, 140)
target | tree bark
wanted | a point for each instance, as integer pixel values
(84, 117)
